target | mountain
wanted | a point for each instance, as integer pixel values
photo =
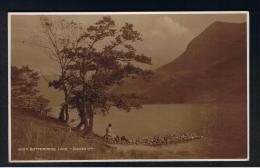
(213, 68)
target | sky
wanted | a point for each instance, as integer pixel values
(165, 36)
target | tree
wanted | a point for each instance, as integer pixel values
(105, 57)
(55, 35)
(41, 105)
(24, 93)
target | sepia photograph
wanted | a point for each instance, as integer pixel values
(128, 86)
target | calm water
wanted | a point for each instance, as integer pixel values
(223, 127)
(152, 120)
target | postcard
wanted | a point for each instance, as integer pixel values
(128, 86)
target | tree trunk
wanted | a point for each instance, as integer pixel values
(84, 116)
(61, 115)
(64, 113)
(80, 124)
(83, 121)
(66, 110)
(86, 124)
(89, 129)
(81, 115)
(91, 120)
(91, 123)
(66, 105)
(84, 101)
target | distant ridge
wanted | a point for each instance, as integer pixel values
(212, 69)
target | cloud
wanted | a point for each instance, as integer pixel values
(164, 40)
(169, 25)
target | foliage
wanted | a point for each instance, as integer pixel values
(24, 91)
(56, 35)
(99, 67)
(92, 60)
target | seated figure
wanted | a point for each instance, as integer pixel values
(109, 135)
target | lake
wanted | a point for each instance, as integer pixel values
(222, 125)
(151, 120)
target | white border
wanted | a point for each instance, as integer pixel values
(118, 13)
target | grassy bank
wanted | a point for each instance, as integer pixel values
(35, 133)
(37, 138)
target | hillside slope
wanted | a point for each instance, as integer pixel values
(212, 69)
(37, 132)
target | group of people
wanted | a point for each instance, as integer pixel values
(152, 141)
